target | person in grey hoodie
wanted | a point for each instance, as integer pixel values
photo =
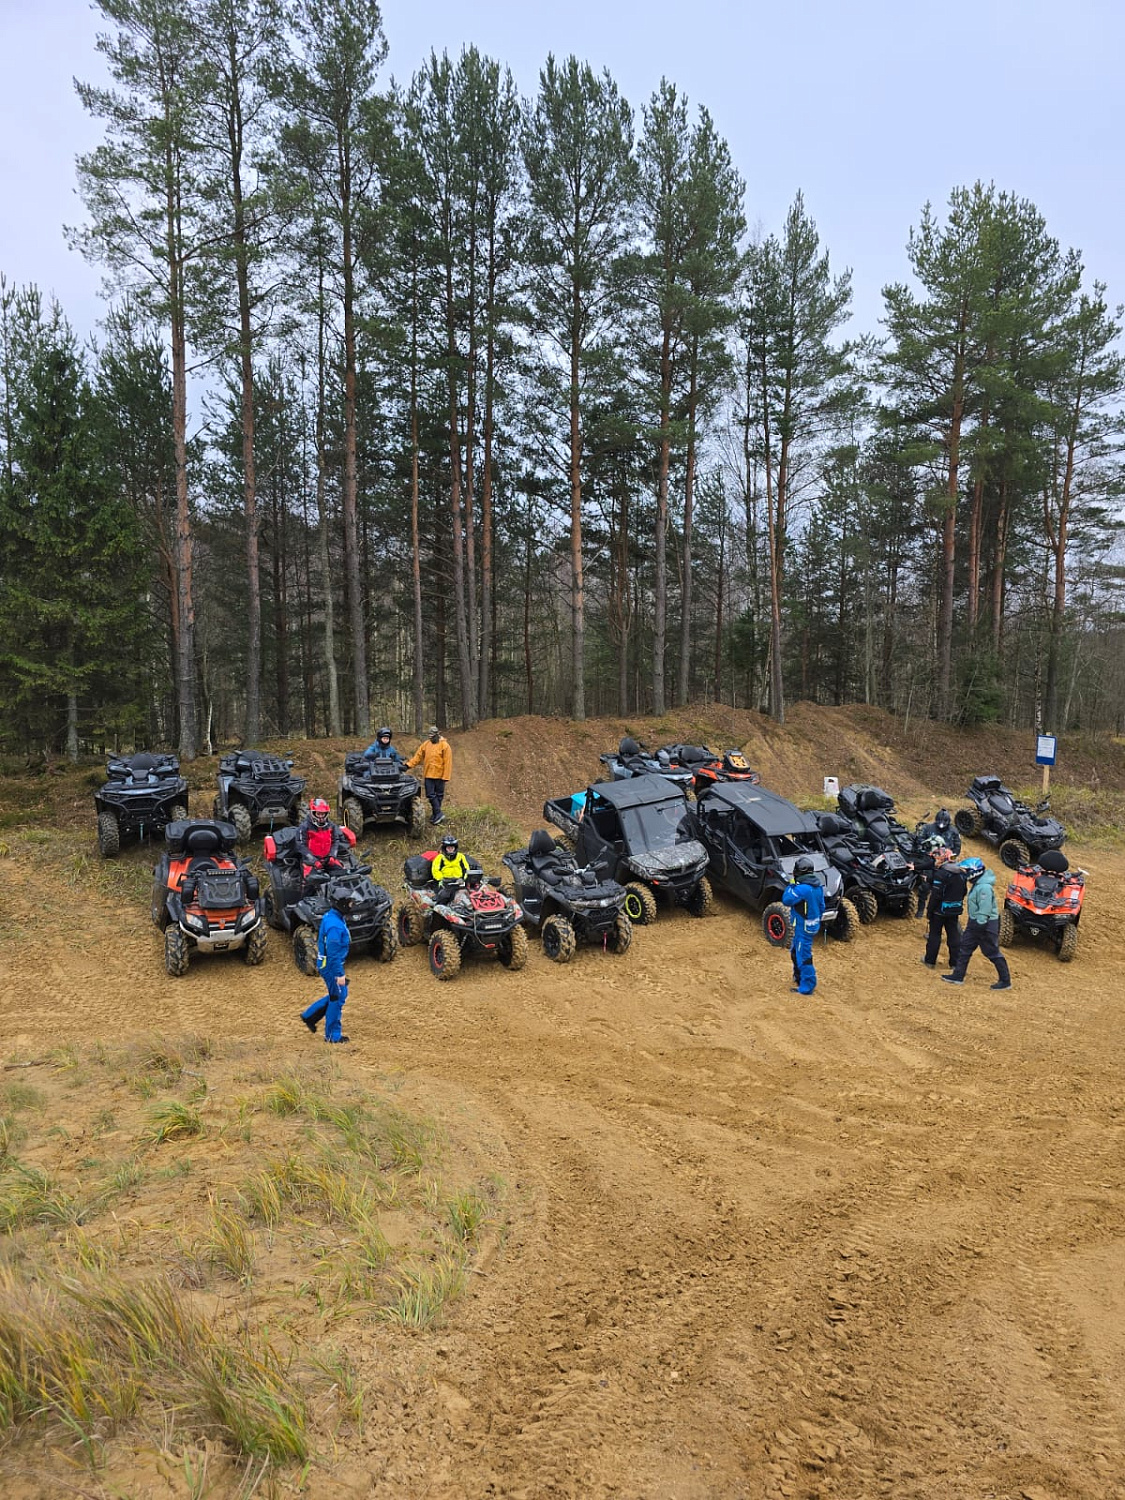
(983, 928)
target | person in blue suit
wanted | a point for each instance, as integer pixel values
(381, 748)
(332, 943)
(805, 898)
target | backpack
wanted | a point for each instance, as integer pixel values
(952, 889)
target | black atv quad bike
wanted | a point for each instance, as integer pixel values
(204, 898)
(459, 917)
(259, 790)
(143, 794)
(870, 811)
(568, 904)
(295, 904)
(379, 790)
(631, 759)
(873, 882)
(1020, 834)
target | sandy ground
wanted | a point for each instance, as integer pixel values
(865, 1243)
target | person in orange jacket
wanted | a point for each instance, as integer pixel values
(435, 756)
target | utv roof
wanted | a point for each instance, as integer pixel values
(771, 813)
(639, 791)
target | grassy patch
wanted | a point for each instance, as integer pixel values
(173, 1120)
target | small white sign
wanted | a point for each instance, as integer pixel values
(831, 786)
(1045, 750)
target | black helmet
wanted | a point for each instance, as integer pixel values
(942, 820)
(384, 734)
(341, 895)
(449, 844)
(803, 865)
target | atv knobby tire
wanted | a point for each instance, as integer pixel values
(272, 915)
(109, 836)
(845, 929)
(564, 842)
(1068, 943)
(418, 818)
(386, 940)
(1006, 936)
(177, 812)
(558, 939)
(353, 816)
(445, 955)
(411, 924)
(254, 948)
(701, 900)
(513, 949)
(865, 902)
(778, 925)
(175, 952)
(966, 820)
(640, 904)
(912, 905)
(304, 949)
(300, 814)
(1015, 854)
(240, 817)
(621, 936)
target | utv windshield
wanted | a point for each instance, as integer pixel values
(659, 825)
(785, 844)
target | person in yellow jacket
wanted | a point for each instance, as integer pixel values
(449, 863)
(435, 756)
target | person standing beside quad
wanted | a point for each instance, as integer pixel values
(435, 756)
(381, 748)
(333, 940)
(947, 888)
(942, 828)
(983, 928)
(806, 899)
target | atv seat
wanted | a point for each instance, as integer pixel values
(1001, 803)
(1054, 861)
(543, 856)
(203, 842)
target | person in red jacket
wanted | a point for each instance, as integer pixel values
(322, 841)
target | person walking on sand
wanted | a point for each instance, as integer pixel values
(983, 928)
(805, 897)
(435, 756)
(333, 940)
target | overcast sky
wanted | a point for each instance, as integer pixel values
(869, 108)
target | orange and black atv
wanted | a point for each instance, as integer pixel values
(204, 896)
(708, 766)
(1045, 901)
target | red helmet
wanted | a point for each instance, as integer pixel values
(319, 812)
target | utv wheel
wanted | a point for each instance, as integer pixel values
(558, 940)
(621, 935)
(445, 955)
(700, 902)
(411, 924)
(386, 943)
(513, 950)
(177, 812)
(272, 915)
(1068, 943)
(353, 816)
(240, 817)
(865, 902)
(1007, 929)
(564, 842)
(1015, 854)
(304, 950)
(254, 949)
(175, 952)
(846, 926)
(109, 836)
(640, 904)
(418, 820)
(966, 820)
(777, 925)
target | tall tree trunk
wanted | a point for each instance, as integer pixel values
(325, 556)
(416, 559)
(578, 597)
(185, 603)
(441, 705)
(1056, 524)
(998, 570)
(660, 581)
(487, 587)
(683, 681)
(976, 514)
(949, 532)
(774, 504)
(527, 662)
(362, 724)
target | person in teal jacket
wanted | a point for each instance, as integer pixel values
(805, 897)
(333, 940)
(983, 928)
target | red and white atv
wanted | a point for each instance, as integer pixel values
(459, 916)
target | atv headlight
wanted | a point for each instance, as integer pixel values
(247, 919)
(195, 923)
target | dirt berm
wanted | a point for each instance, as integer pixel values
(867, 1243)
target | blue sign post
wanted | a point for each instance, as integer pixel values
(1045, 756)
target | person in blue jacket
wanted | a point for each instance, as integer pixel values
(381, 748)
(806, 899)
(332, 943)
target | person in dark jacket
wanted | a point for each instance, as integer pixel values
(805, 898)
(944, 901)
(381, 748)
(941, 829)
(982, 930)
(333, 940)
